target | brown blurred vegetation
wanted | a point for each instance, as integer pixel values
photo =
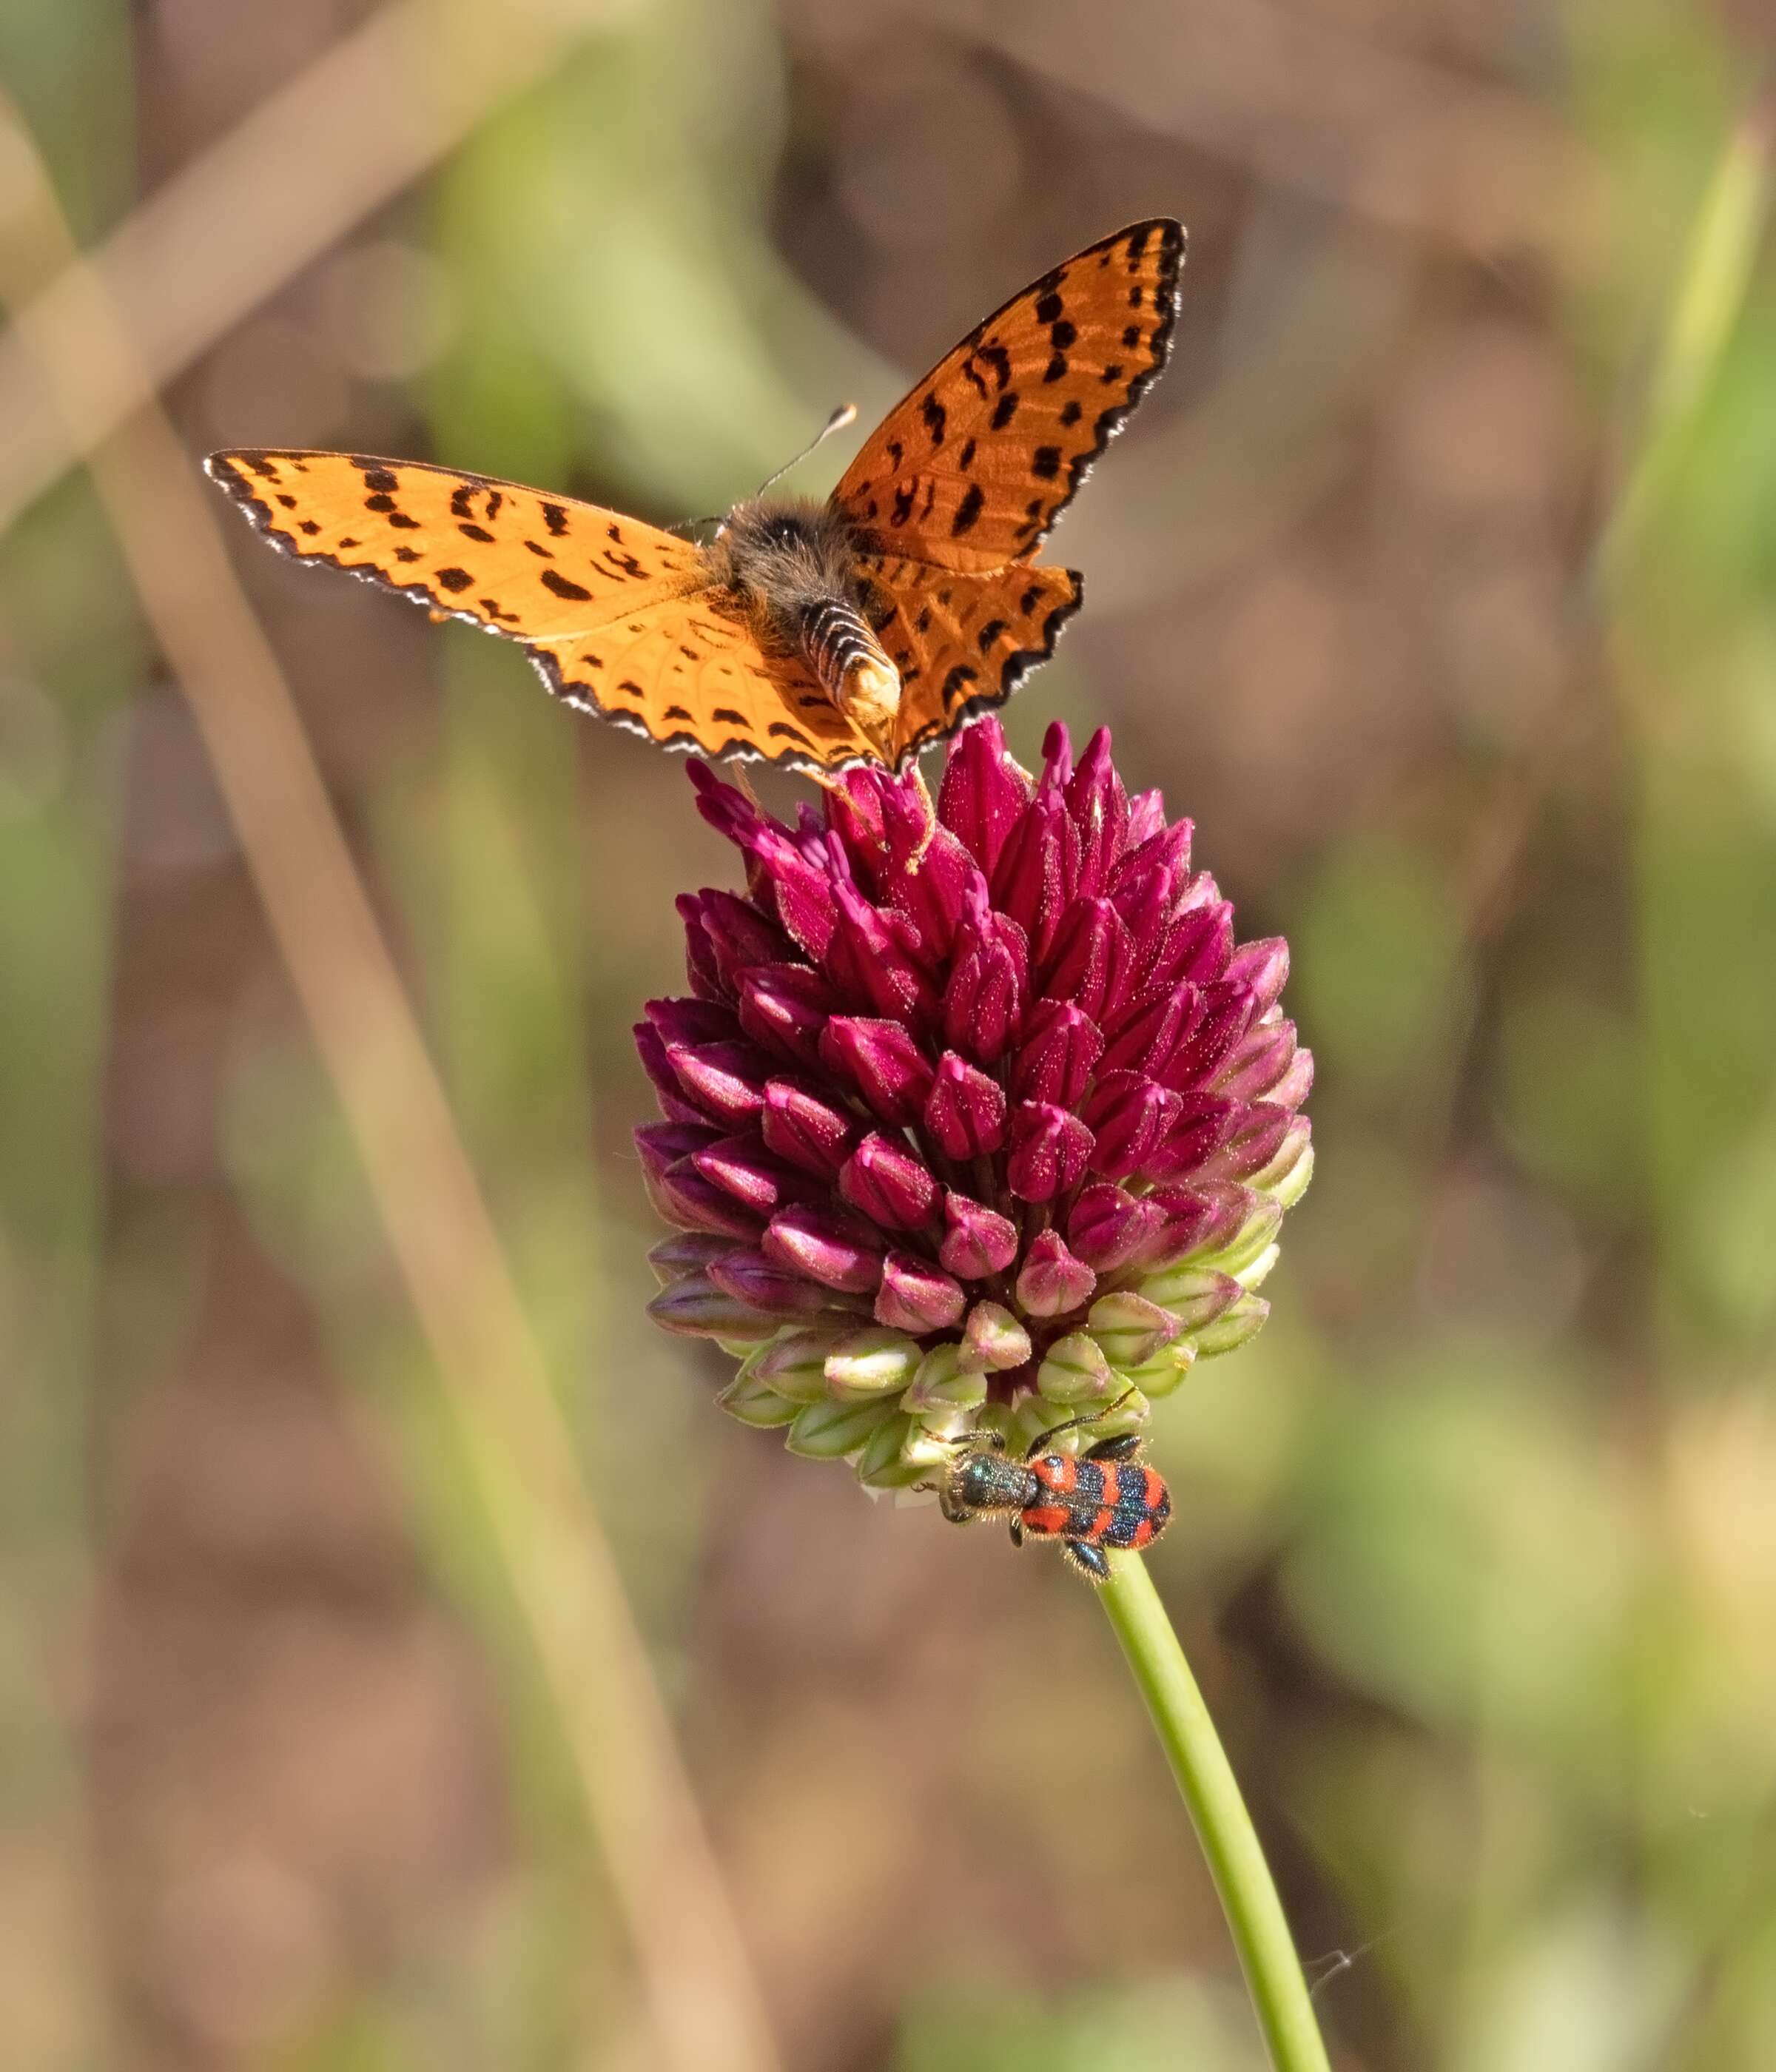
(1476, 1550)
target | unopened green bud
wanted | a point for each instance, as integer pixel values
(944, 1392)
(866, 1364)
(1256, 1234)
(1255, 1274)
(1232, 1327)
(1289, 1188)
(1294, 1147)
(828, 1431)
(1195, 1295)
(1074, 1370)
(755, 1402)
(795, 1364)
(1130, 1328)
(1161, 1375)
(886, 1462)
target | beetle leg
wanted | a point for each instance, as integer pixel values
(1124, 1447)
(1090, 1561)
(1016, 1525)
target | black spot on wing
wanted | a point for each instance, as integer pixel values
(554, 581)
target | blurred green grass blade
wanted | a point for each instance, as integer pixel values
(1719, 260)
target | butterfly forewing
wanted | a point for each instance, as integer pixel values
(971, 470)
(504, 557)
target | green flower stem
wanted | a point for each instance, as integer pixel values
(1224, 1826)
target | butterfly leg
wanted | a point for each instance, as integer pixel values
(930, 835)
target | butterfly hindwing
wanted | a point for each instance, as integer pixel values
(973, 467)
(689, 673)
(501, 555)
(962, 642)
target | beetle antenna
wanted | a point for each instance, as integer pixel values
(840, 418)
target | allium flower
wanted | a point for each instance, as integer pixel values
(976, 1121)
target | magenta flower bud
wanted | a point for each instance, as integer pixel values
(1228, 1012)
(865, 957)
(827, 1245)
(1199, 940)
(686, 1253)
(809, 1131)
(686, 1198)
(1257, 1063)
(1057, 757)
(1145, 900)
(739, 935)
(652, 1050)
(1038, 869)
(1051, 1280)
(743, 1167)
(1189, 1221)
(984, 793)
(784, 1008)
(1091, 959)
(1108, 1228)
(965, 1111)
(800, 892)
(978, 1242)
(1262, 967)
(930, 874)
(1153, 843)
(1204, 1123)
(1148, 1039)
(687, 1021)
(696, 1307)
(916, 1297)
(1049, 1151)
(883, 1061)
(725, 1080)
(1061, 1046)
(763, 1284)
(661, 1145)
(988, 982)
(1099, 807)
(885, 1183)
(1147, 818)
(1293, 1088)
(1130, 1116)
(700, 967)
(1255, 1139)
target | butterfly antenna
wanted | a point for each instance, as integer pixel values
(840, 418)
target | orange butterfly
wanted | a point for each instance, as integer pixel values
(815, 635)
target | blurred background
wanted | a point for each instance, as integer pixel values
(306, 1767)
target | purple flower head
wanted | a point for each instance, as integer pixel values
(968, 1119)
